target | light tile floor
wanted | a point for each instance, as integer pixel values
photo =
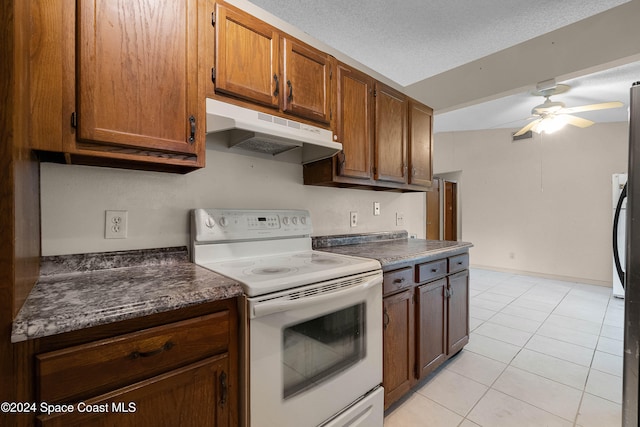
(541, 353)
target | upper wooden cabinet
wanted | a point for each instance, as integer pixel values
(420, 144)
(386, 138)
(134, 97)
(255, 62)
(246, 57)
(390, 135)
(354, 121)
(306, 79)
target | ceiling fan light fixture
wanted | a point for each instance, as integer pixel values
(550, 124)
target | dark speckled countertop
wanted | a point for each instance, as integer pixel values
(80, 291)
(393, 249)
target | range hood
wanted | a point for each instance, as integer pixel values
(257, 132)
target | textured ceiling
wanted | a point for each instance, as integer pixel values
(410, 40)
(432, 44)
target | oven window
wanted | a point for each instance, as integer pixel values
(317, 349)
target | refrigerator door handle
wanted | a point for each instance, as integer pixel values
(616, 218)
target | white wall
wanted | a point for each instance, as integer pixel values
(541, 205)
(74, 200)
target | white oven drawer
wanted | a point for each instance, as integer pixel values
(366, 412)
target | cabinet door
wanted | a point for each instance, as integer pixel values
(431, 326)
(398, 346)
(305, 81)
(390, 135)
(458, 311)
(197, 395)
(138, 75)
(354, 122)
(420, 146)
(246, 57)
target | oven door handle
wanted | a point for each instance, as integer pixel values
(270, 307)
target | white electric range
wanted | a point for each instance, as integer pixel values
(313, 320)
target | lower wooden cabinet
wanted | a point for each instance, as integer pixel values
(398, 358)
(196, 395)
(184, 372)
(424, 324)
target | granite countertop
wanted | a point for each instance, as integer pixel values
(80, 291)
(392, 249)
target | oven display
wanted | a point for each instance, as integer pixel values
(263, 222)
(318, 349)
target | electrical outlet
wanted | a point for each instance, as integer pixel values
(115, 225)
(399, 218)
(376, 208)
(354, 219)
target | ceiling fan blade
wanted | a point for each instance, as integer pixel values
(592, 107)
(577, 121)
(527, 128)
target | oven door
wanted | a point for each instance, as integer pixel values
(314, 350)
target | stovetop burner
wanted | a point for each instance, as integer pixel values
(315, 258)
(271, 270)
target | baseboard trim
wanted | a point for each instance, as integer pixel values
(546, 276)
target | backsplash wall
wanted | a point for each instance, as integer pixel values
(74, 200)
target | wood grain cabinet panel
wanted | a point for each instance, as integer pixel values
(354, 126)
(390, 135)
(118, 84)
(458, 312)
(431, 326)
(306, 81)
(138, 75)
(196, 395)
(89, 369)
(420, 144)
(398, 343)
(246, 57)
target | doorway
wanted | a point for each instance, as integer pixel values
(450, 210)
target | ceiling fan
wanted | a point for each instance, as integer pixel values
(552, 116)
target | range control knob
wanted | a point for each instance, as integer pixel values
(210, 222)
(303, 220)
(224, 221)
(285, 220)
(294, 220)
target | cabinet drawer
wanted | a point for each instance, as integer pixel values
(89, 369)
(396, 280)
(431, 270)
(458, 263)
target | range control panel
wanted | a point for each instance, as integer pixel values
(215, 225)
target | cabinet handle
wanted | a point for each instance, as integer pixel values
(413, 171)
(400, 280)
(277, 90)
(192, 123)
(434, 270)
(386, 319)
(223, 388)
(290, 90)
(166, 347)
